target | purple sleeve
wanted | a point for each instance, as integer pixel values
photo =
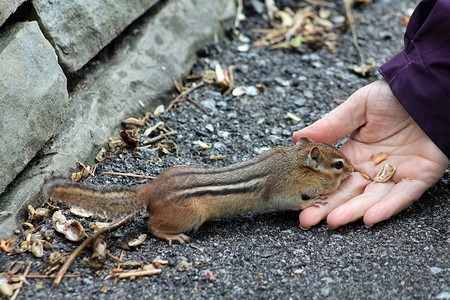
(419, 76)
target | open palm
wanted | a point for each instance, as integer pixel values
(377, 122)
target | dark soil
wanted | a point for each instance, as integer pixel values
(267, 255)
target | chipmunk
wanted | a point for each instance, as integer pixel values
(182, 198)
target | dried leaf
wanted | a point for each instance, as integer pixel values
(158, 111)
(54, 261)
(134, 122)
(81, 212)
(79, 175)
(239, 91)
(220, 76)
(58, 217)
(158, 263)
(14, 267)
(113, 144)
(385, 174)
(31, 210)
(204, 145)
(5, 287)
(37, 248)
(72, 229)
(379, 157)
(364, 70)
(128, 139)
(98, 226)
(138, 241)
(98, 257)
(243, 48)
(101, 155)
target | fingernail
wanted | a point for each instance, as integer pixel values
(368, 226)
(303, 228)
(332, 228)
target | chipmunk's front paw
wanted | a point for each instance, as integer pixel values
(180, 238)
(319, 200)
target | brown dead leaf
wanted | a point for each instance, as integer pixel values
(178, 83)
(379, 157)
(5, 245)
(128, 139)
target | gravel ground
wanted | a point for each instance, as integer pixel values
(267, 255)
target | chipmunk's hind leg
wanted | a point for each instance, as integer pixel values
(170, 224)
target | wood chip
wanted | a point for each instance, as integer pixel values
(217, 157)
(293, 117)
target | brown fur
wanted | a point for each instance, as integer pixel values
(182, 198)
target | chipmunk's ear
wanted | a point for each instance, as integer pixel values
(314, 157)
(304, 141)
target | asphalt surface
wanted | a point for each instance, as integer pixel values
(267, 255)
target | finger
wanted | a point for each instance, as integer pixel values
(356, 207)
(344, 119)
(350, 187)
(401, 196)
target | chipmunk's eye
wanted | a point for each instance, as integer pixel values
(339, 164)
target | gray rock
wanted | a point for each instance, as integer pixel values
(80, 29)
(132, 82)
(7, 7)
(33, 101)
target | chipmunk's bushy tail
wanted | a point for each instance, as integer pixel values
(98, 200)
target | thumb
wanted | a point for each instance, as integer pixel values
(344, 119)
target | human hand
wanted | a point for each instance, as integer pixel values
(377, 123)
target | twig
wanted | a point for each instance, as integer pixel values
(238, 13)
(153, 128)
(138, 273)
(86, 242)
(128, 175)
(186, 98)
(183, 97)
(188, 91)
(118, 265)
(16, 292)
(114, 257)
(42, 276)
(159, 137)
(348, 14)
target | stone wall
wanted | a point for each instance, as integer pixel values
(48, 45)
